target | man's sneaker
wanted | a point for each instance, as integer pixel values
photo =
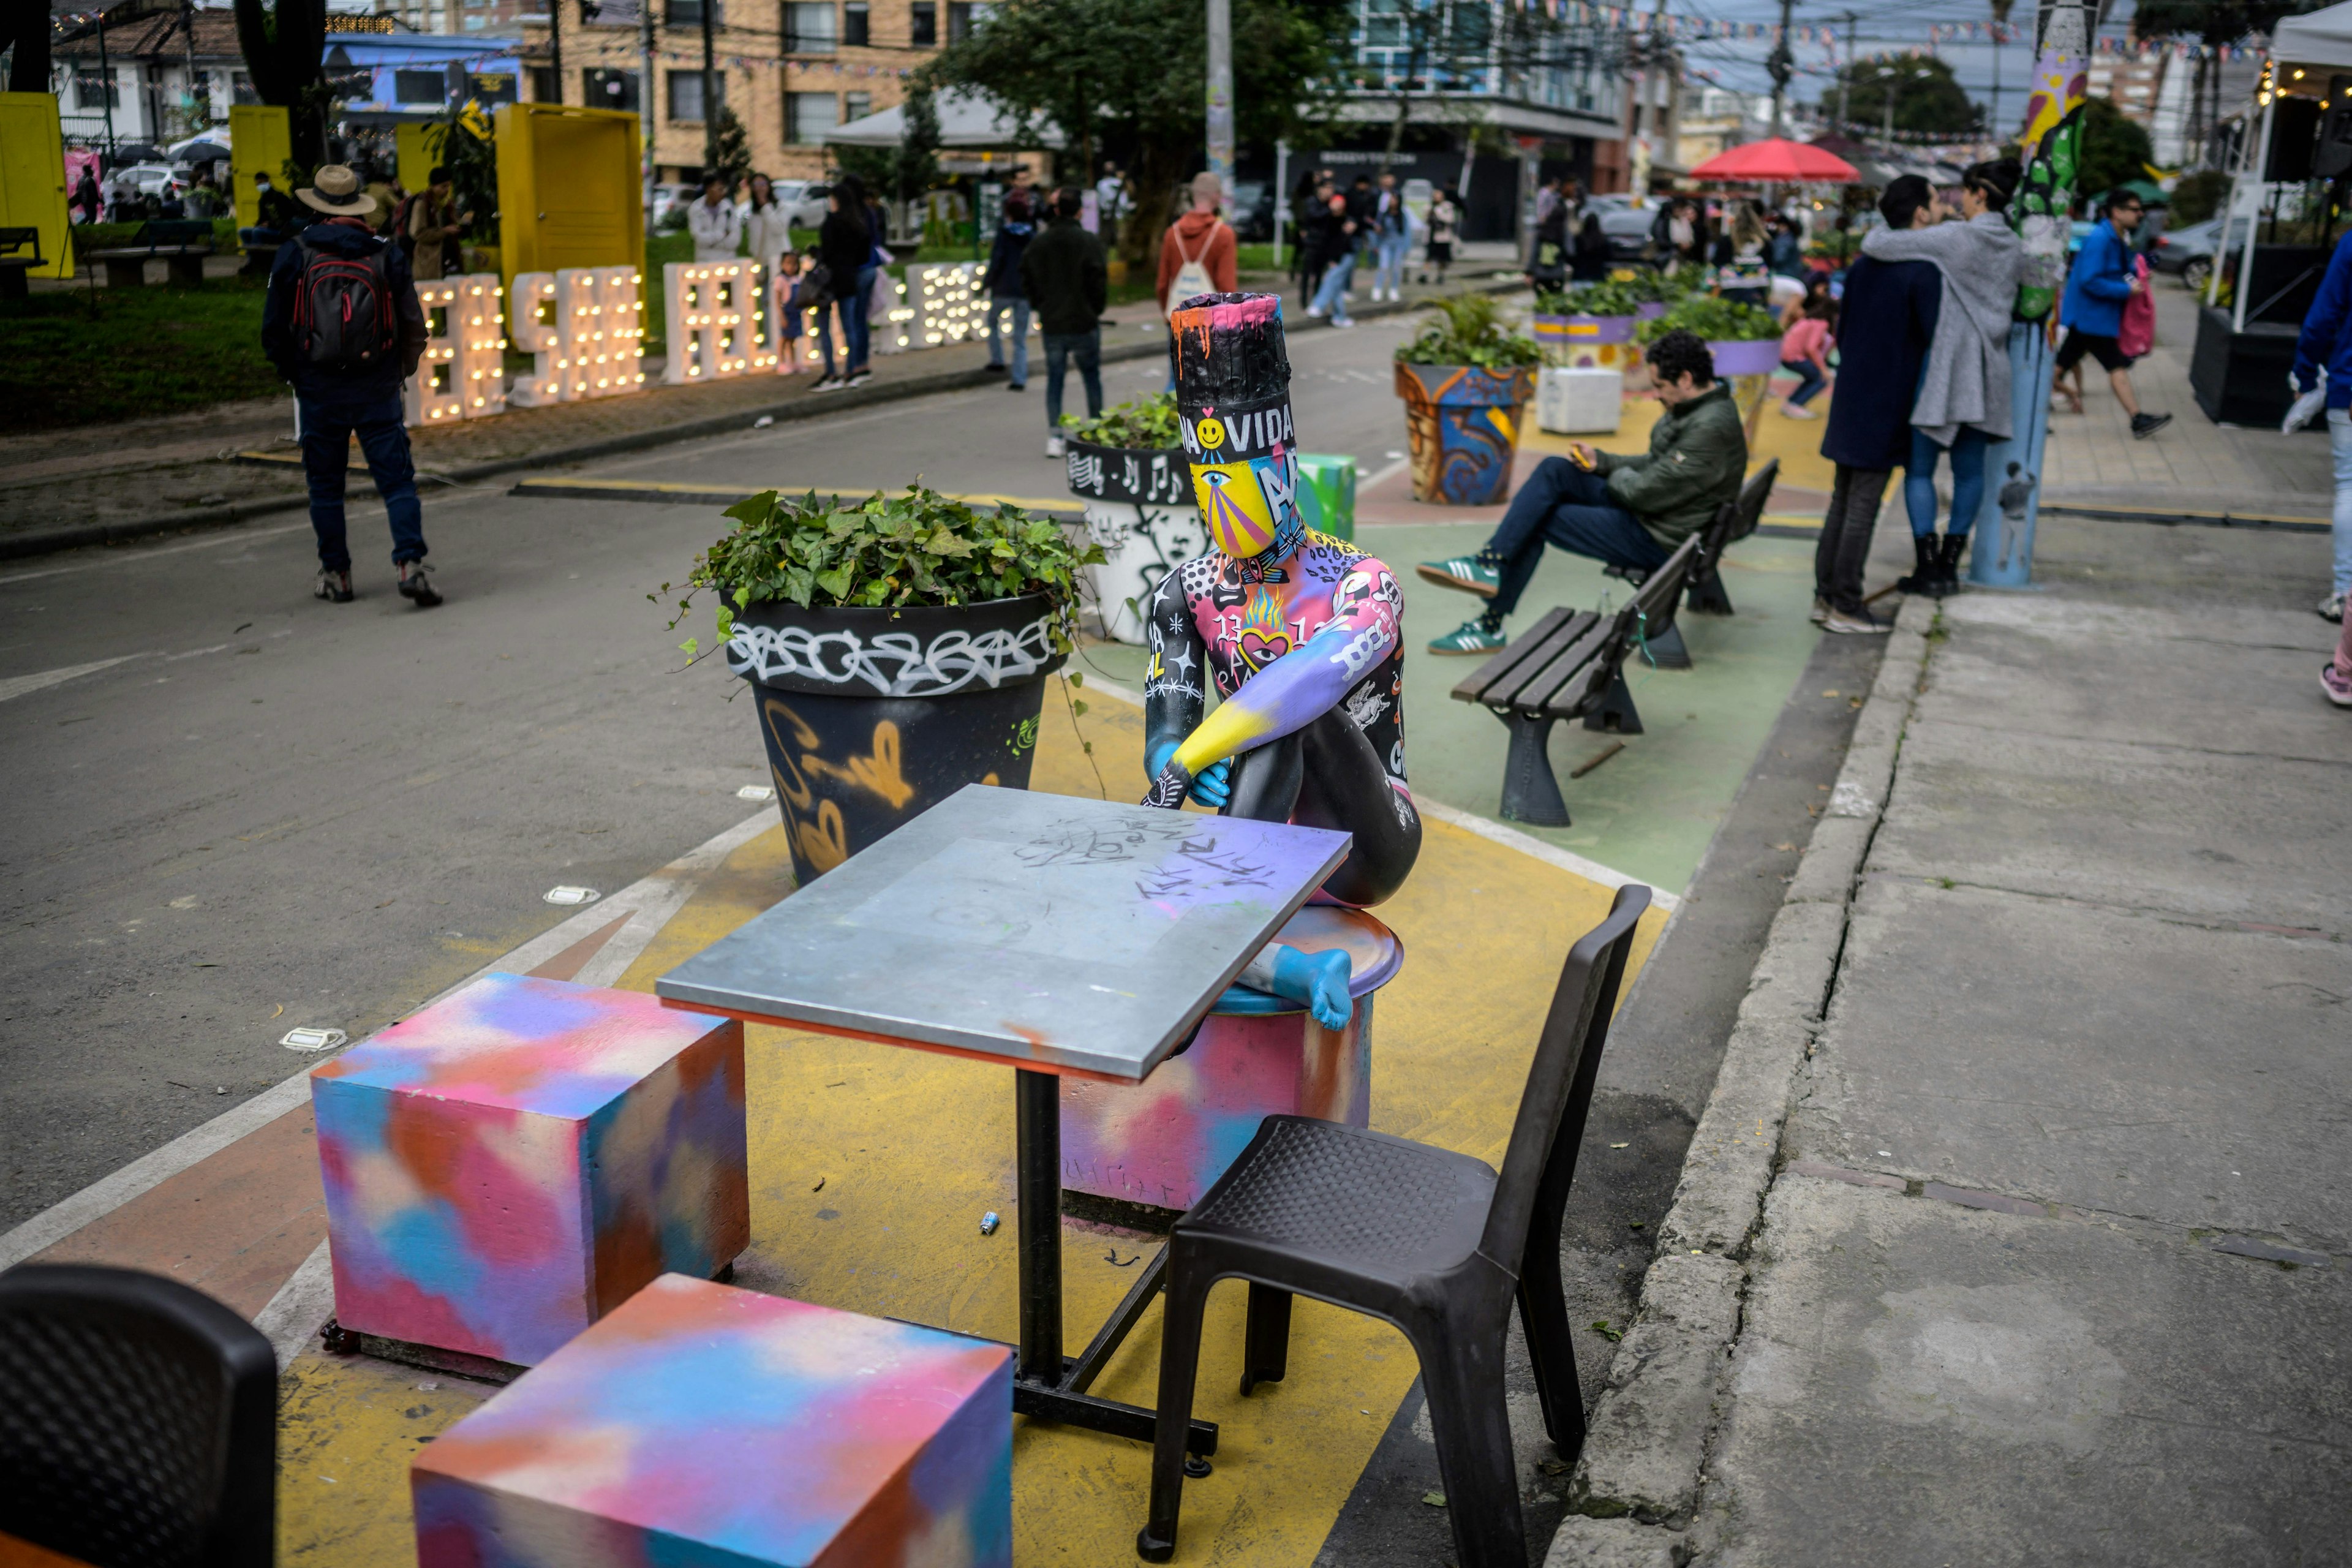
(1819, 612)
(1467, 572)
(829, 382)
(1343, 321)
(2337, 684)
(1054, 446)
(416, 585)
(1864, 623)
(2146, 424)
(335, 587)
(1796, 411)
(1471, 637)
(1017, 387)
(861, 377)
(1313, 309)
(2331, 608)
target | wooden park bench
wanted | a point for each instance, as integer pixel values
(13, 266)
(1570, 665)
(180, 243)
(1734, 521)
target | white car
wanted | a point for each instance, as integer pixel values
(800, 209)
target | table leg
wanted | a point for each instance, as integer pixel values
(1038, 1130)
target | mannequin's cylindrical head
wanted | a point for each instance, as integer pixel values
(1232, 401)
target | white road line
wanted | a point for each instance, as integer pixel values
(24, 685)
(303, 1303)
(655, 899)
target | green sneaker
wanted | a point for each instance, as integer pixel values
(1467, 572)
(1469, 637)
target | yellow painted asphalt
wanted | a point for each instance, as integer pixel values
(871, 1166)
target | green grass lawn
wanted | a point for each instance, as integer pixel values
(92, 357)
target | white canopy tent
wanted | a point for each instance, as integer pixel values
(2318, 38)
(965, 120)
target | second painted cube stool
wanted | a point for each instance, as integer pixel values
(1162, 1142)
(516, 1160)
(705, 1426)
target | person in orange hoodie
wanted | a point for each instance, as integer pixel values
(1197, 254)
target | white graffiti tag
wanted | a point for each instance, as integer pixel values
(894, 664)
(1364, 648)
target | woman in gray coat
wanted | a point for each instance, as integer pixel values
(1963, 402)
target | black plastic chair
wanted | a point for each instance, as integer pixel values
(1430, 1240)
(138, 1421)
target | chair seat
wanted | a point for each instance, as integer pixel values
(1359, 1202)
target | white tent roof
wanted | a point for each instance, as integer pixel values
(2319, 38)
(965, 120)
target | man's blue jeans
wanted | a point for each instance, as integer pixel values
(327, 426)
(1390, 250)
(1568, 506)
(1086, 348)
(1334, 284)
(1019, 305)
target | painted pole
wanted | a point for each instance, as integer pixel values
(1221, 97)
(2003, 554)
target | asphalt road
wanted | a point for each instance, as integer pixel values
(233, 809)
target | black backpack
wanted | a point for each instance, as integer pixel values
(342, 310)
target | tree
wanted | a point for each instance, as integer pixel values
(728, 154)
(1928, 100)
(284, 42)
(1092, 69)
(2114, 149)
(2213, 22)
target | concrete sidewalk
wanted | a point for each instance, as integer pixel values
(2012, 1232)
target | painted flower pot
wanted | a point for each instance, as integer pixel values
(1463, 429)
(1139, 509)
(871, 717)
(1747, 357)
(1594, 342)
(1649, 309)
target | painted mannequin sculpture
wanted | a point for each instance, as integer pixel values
(1297, 631)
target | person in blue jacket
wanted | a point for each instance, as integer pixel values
(2098, 282)
(2327, 345)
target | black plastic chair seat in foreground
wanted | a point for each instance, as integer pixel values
(138, 1421)
(1433, 1242)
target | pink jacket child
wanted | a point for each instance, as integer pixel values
(1805, 353)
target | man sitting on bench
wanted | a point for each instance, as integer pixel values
(1628, 512)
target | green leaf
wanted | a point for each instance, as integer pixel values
(835, 582)
(1075, 677)
(690, 645)
(752, 510)
(1077, 709)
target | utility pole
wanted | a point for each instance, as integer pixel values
(647, 97)
(1845, 77)
(106, 74)
(555, 44)
(1221, 97)
(711, 94)
(1782, 64)
(188, 31)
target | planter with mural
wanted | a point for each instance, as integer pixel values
(1466, 380)
(1139, 514)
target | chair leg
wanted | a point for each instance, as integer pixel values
(1266, 1350)
(1463, 1379)
(1180, 1359)
(1616, 709)
(1530, 793)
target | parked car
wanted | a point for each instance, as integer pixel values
(669, 205)
(800, 209)
(2188, 251)
(1252, 210)
(1628, 231)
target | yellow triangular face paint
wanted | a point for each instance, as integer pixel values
(1240, 518)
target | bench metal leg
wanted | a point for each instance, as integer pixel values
(126, 274)
(1530, 793)
(12, 283)
(1706, 594)
(1616, 709)
(188, 270)
(1667, 650)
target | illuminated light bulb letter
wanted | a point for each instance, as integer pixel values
(533, 332)
(435, 396)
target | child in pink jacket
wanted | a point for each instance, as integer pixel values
(1805, 353)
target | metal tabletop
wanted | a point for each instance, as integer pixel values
(1046, 932)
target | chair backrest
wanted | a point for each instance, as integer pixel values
(1560, 1084)
(138, 1421)
(1753, 495)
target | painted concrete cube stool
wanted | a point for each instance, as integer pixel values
(513, 1162)
(702, 1424)
(1162, 1142)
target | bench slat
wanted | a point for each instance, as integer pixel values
(1513, 689)
(1471, 687)
(1557, 687)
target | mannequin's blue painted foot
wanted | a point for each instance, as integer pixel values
(1320, 980)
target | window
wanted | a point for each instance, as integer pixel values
(808, 27)
(417, 86)
(965, 14)
(923, 25)
(546, 87)
(855, 32)
(609, 89)
(689, 13)
(808, 116)
(95, 89)
(611, 12)
(856, 106)
(685, 94)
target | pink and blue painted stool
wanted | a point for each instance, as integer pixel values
(699, 1425)
(1162, 1142)
(516, 1160)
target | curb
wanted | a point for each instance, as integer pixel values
(1636, 1484)
(48, 541)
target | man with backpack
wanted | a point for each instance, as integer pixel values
(342, 324)
(1198, 253)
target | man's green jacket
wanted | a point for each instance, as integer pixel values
(1696, 461)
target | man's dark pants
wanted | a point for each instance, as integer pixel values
(1844, 546)
(1060, 349)
(1568, 506)
(328, 421)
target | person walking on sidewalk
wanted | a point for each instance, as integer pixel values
(845, 248)
(1339, 239)
(2325, 349)
(1437, 250)
(1889, 319)
(1015, 225)
(1067, 279)
(1630, 513)
(342, 324)
(1391, 238)
(1964, 398)
(2104, 277)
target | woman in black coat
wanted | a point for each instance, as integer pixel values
(1887, 321)
(845, 247)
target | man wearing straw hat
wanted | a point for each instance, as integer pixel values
(343, 326)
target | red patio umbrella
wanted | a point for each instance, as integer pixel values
(1778, 162)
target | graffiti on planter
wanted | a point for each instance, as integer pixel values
(1025, 735)
(1146, 478)
(817, 827)
(894, 664)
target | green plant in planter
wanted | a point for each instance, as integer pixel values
(1471, 330)
(1611, 297)
(1149, 423)
(1717, 320)
(919, 549)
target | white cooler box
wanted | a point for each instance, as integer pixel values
(1579, 401)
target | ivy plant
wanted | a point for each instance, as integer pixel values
(1149, 423)
(1470, 329)
(917, 550)
(1718, 321)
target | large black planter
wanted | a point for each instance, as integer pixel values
(872, 716)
